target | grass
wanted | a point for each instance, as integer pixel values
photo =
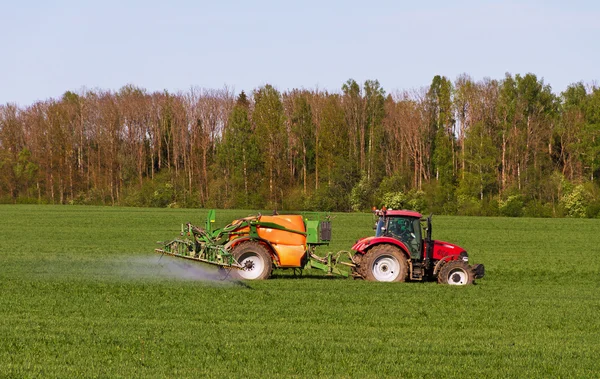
(81, 295)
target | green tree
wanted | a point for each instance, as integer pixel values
(526, 111)
(375, 113)
(571, 129)
(239, 156)
(270, 130)
(304, 131)
(339, 174)
(354, 112)
(592, 134)
(441, 131)
(535, 104)
(481, 162)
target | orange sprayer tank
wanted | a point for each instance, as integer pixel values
(290, 255)
(290, 247)
(282, 237)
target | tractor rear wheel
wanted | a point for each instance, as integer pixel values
(457, 273)
(255, 259)
(384, 263)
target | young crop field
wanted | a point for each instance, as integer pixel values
(83, 295)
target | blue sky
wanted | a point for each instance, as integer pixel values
(49, 47)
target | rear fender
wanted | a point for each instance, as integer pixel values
(365, 244)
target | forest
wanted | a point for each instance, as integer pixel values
(508, 147)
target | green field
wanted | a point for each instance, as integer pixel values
(82, 295)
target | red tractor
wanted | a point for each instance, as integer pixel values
(400, 251)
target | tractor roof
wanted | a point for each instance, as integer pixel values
(403, 213)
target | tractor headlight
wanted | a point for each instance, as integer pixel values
(464, 256)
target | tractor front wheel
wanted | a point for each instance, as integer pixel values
(384, 263)
(255, 260)
(457, 273)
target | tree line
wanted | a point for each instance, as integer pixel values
(489, 147)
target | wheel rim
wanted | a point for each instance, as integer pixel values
(457, 277)
(253, 266)
(386, 268)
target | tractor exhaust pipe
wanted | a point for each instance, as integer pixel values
(429, 250)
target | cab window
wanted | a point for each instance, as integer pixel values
(379, 227)
(408, 231)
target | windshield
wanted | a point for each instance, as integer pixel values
(407, 230)
(379, 227)
(399, 226)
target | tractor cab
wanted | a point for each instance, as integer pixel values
(405, 226)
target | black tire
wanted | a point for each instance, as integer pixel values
(384, 263)
(457, 273)
(256, 260)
